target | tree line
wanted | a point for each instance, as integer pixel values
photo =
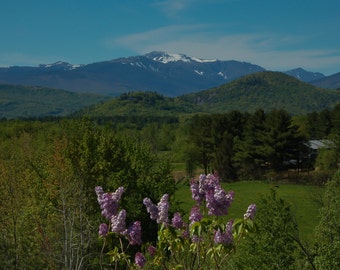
(248, 145)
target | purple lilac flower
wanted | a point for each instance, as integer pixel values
(208, 188)
(186, 234)
(196, 239)
(195, 214)
(118, 194)
(99, 191)
(159, 212)
(118, 222)
(219, 201)
(226, 237)
(134, 233)
(151, 208)
(108, 201)
(197, 194)
(152, 251)
(250, 212)
(140, 260)
(163, 208)
(229, 231)
(177, 221)
(103, 229)
(218, 236)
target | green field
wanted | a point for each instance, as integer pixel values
(302, 198)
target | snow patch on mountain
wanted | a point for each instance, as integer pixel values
(138, 64)
(222, 75)
(62, 65)
(166, 58)
(203, 60)
(171, 57)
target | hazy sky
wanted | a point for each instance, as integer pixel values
(277, 35)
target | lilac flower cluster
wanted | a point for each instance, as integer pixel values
(134, 233)
(208, 189)
(177, 221)
(140, 260)
(195, 214)
(226, 237)
(152, 250)
(103, 229)
(250, 212)
(159, 212)
(118, 224)
(109, 202)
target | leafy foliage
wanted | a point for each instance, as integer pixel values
(273, 245)
(328, 230)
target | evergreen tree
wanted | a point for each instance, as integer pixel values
(281, 142)
(249, 158)
(225, 129)
(200, 134)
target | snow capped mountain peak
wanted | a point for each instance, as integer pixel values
(60, 65)
(165, 57)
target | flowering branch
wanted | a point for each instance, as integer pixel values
(203, 242)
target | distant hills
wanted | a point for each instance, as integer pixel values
(305, 76)
(18, 101)
(266, 90)
(332, 82)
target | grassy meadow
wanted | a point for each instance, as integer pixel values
(303, 199)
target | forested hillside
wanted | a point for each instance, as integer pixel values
(267, 90)
(264, 90)
(17, 101)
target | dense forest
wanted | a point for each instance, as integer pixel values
(49, 168)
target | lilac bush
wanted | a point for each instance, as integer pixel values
(204, 242)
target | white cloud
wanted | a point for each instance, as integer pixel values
(271, 51)
(19, 59)
(172, 7)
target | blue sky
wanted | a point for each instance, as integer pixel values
(277, 35)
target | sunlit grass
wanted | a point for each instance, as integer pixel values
(302, 198)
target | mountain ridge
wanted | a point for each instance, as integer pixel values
(166, 73)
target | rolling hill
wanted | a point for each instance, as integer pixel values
(266, 90)
(17, 101)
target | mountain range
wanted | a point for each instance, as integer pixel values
(168, 74)
(180, 84)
